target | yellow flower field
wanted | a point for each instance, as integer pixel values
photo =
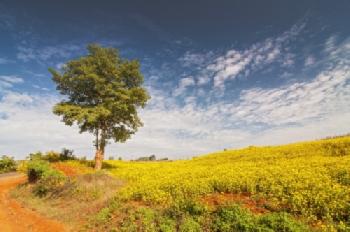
(310, 180)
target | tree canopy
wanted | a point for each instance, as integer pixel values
(102, 94)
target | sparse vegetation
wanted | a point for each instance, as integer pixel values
(7, 164)
(53, 156)
(72, 199)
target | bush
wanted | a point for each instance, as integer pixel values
(7, 164)
(190, 225)
(281, 222)
(35, 156)
(53, 156)
(36, 170)
(233, 218)
(46, 178)
(49, 183)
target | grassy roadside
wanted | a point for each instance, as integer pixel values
(72, 199)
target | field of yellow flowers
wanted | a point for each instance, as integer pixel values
(309, 180)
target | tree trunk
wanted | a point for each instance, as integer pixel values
(98, 159)
(100, 144)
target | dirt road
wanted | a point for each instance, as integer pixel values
(15, 218)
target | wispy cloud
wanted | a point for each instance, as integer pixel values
(235, 62)
(310, 60)
(183, 85)
(11, 79)
(43, 54)
(193, 59)
(8, 81)
(4, 60)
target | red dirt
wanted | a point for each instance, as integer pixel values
(66, 169)
(15, 218)
(217, 199)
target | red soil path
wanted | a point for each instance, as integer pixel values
(15, 218)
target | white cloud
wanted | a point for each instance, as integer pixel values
(11, 79)
(44, 54)
(190, 59)
(310, 60)
(30, 126)
(183, 84)
(328, 94)
(235, 62)
(7, 82)
(202, 80)
(60, 65)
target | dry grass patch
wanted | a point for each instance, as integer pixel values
(79, 198)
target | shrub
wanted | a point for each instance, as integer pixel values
(35, 156)
(49, 183)
(233, 218)
(7, 164)
(36, 170)
(46, 178)
(281, 222)
(190, 225)
(167, 224)
(52, 156)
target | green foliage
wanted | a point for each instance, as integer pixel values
(281, 222)
(36, 170)
(142, 219)
(53, 156)
(189, 225)
(167, 224)
(234, 218)
(51, 181)
(35, 156)
(46, 178)
(103, 93)
(7, 164)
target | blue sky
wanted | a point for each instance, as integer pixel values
(222, 74)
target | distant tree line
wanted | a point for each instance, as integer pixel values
(150, 158)
(53, 156)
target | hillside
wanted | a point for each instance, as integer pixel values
(297, 187)
(310, 179)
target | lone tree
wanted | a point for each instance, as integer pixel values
(103, 92)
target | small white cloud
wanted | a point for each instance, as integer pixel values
(310, 60)
(184, 83)
(202, 80)
(11, 79)
(195, 59)
(44, 54)
(60, 65)
(7, 82)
